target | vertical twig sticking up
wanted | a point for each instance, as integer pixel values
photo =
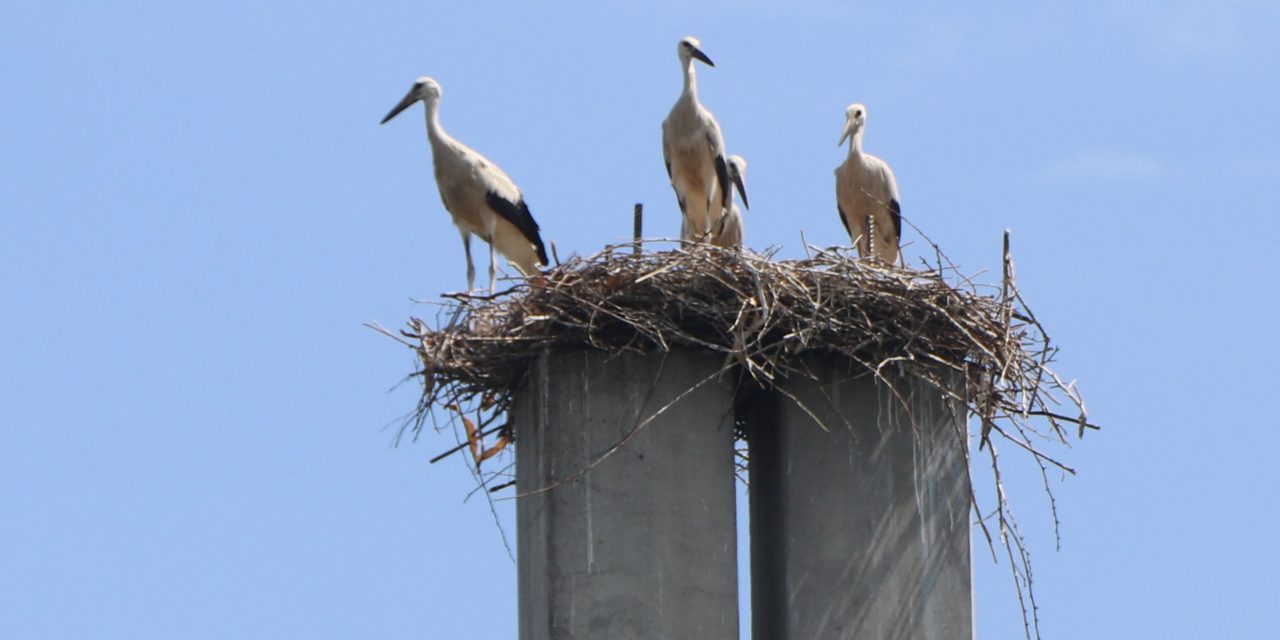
(1006, 261)
(638, 227)
(1006, 324)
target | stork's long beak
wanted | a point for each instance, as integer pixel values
(699, 55)
(409, 99)
(736, 176)
(848, 131)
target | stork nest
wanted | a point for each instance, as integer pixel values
(763, 315)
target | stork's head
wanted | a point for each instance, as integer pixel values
(425, 89)
(738, 175)
(855, 118)
(690, 49)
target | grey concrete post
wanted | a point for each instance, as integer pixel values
(643, 545)
(862, 531)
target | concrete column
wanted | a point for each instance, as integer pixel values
(643, 545)
(862, 531)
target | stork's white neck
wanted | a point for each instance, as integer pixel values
(855, 143)
(690, 79)
(435, 132)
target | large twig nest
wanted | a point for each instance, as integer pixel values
(763, 315)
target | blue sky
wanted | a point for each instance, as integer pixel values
(198, 211)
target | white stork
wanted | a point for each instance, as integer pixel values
(867, 194)
(479, 197)
(693, 151)
(727, 232)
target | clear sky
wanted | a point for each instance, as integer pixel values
(198, 210)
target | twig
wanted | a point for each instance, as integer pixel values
(637, 228)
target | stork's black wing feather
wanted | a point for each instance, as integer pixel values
(517, 213)
(895, 212)
(722, 168)
(844, 222)
(722, 177)
(666, 151)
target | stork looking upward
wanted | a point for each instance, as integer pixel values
(867, 194)
(727, 232)
(693, 150)
(479, 197)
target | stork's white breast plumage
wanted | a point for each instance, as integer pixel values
(479, 196)
(693, 150)
(867, 195)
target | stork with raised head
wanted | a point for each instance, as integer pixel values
(867, 194)
(478, 195)
(727, 232)
(693, 150)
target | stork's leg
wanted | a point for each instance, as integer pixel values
(706, 229)
(493, 266)
(686, 233)
(471, 267)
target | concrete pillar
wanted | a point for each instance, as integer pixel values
(862, 531)
(643, 545)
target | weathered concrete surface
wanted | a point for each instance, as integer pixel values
(643, 545)
(862, 531)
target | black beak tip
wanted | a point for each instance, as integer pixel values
(395, 111)
(742, 190)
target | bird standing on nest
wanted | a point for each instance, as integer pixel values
(867, 194)
(693, 150)
(727, 232)
(478, 195)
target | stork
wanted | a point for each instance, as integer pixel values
(478, 195)
(693, 151)
(867, 194)
(727, 232)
